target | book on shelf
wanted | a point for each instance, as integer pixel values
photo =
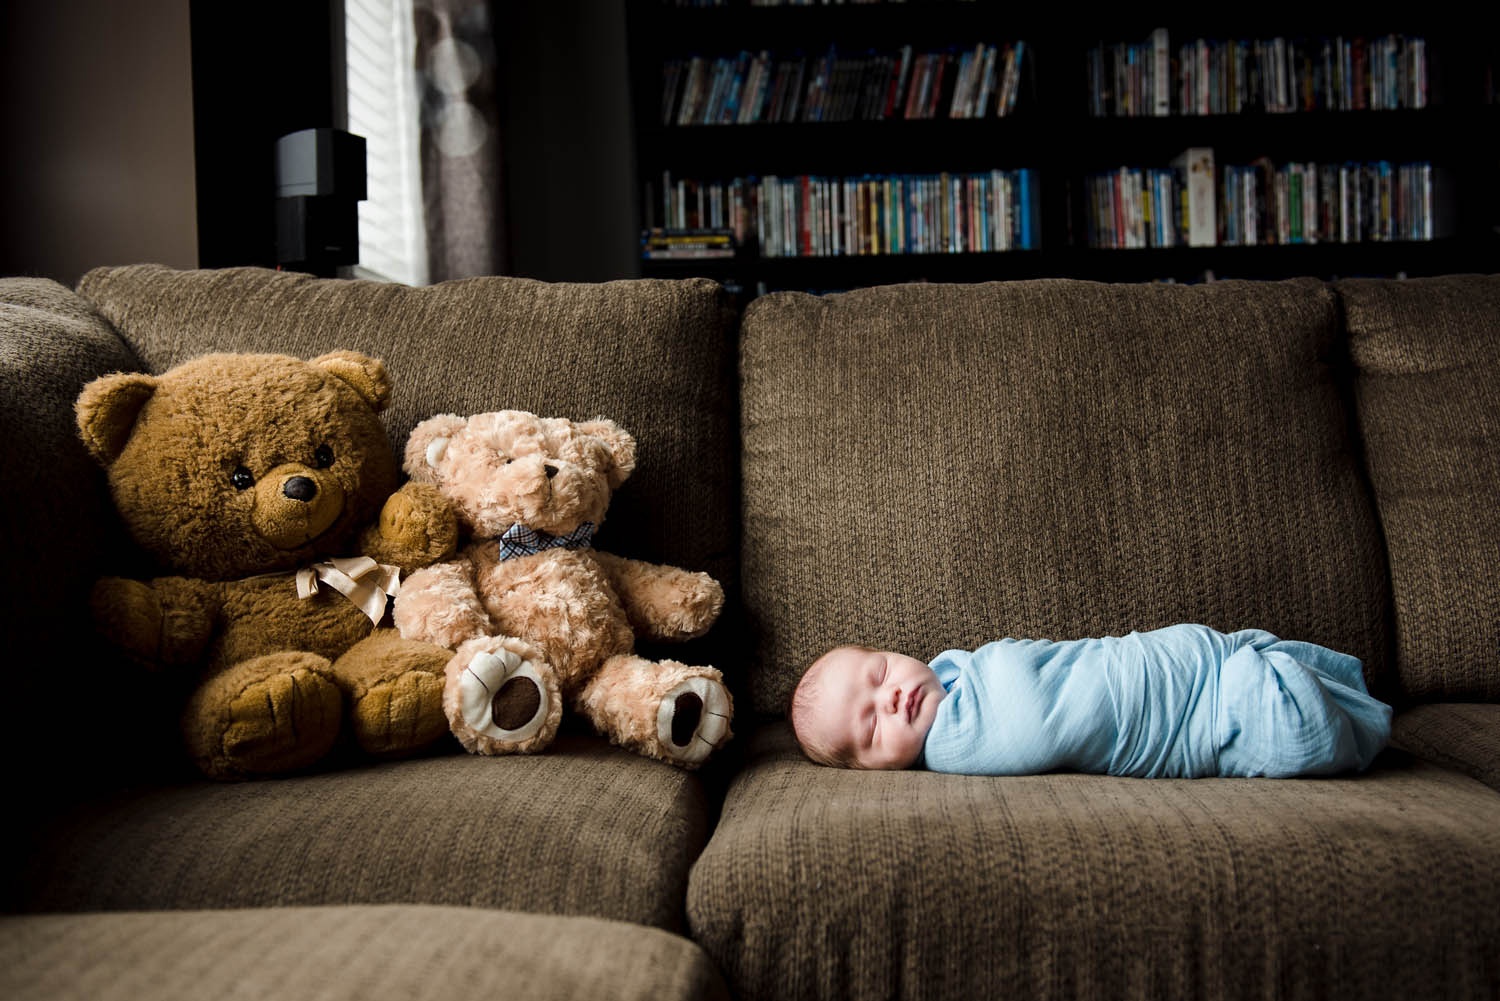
(1298, 203)
(817, 216)
(1273, 75)
(981, 81)
(1196, 167)
(1266, 204)
(661, 244)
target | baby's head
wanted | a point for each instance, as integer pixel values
(861, 708)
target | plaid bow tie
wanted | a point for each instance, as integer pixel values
(519, 540)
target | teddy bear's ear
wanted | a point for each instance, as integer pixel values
(106, 411)
(367, 375)
(621, 447)
(424, 449)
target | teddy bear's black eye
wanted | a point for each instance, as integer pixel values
(242, 478)
(323, 457)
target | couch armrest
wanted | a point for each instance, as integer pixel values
(54, 506)
(58, 524)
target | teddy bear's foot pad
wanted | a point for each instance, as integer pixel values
(500, 700)
(692, 720)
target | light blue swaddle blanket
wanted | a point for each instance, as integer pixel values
(1186, 702)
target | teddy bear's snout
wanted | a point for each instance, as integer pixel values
(300, 488)
(295, 504)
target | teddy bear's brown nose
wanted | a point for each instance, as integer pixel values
(300, 488)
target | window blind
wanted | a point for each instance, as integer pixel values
(383, 107)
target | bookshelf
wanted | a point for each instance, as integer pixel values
(1055, 133)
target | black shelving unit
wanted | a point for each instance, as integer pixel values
(1052, 133)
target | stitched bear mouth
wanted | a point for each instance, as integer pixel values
(295, 504)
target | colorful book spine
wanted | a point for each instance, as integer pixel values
(1272, 75)
(748, 88)
(1267, 204)
(816, 216)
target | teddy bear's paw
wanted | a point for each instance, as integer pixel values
(501, 697)
(419, 521)
(394, 690)
(272, 714)
(400, 715)
(692, 721)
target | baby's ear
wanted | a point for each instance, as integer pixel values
(618, 442)
(428, 442)
(107, 409)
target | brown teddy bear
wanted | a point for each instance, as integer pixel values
(246, 474)
(535, 614)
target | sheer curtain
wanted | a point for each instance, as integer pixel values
(460, 138)
(422, 91)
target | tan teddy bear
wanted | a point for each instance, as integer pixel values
(258, 479)
(535, 614)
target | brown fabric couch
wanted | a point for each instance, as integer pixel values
(918, 466)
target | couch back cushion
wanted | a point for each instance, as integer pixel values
(1427, 387)
(656, 356)
(929, 466)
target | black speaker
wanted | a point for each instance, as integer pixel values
(320, 181)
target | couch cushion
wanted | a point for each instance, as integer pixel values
(54, 505)
(657, 356)
(1428, 392)
(828, 883)
(1463, 736)
(931, 466)
(584, 829)
(347, 954)
(60, 531)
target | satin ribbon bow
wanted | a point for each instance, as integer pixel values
(358, 578)
(520, 540)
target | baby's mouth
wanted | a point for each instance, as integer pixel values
(913, 702)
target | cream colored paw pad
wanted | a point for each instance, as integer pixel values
(501, 696)
(693, 720)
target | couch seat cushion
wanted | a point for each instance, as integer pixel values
(1428, 390)
(1464, 736)
(347, 954)
(936, 466)
(827, 883)
(585, 828)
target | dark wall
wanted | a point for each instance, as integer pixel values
(568, 139)
(98, 142)
(146, 131)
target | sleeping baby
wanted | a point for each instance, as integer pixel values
(1181, 702)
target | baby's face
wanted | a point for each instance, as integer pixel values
(875, 705)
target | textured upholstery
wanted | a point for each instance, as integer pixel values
(585, 829)
(829, 883)
(1427, 353)
(414, 953)
(51, 344)
(60, 533)
(923, 466)
(933, 466)
(657, 356)
(1460, 735)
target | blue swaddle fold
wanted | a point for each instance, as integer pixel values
(1186, 701)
